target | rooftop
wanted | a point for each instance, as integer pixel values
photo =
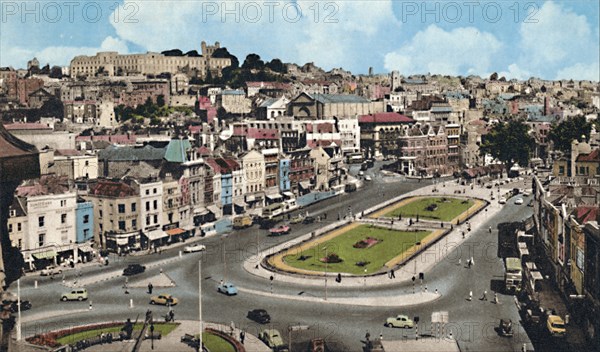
(385, 117)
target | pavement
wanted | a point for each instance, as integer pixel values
(421, 263)
(172, 342)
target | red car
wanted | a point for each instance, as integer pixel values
(278, 231)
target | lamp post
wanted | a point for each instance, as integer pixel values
(326, 262)
(224, 259)
(200, 303)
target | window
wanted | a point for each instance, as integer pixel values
(561, 170)
(87, 163)
(154, 191)
(20, 243)
(86, 219)
(63, 203)
(86, 233)
(13, 213)
(100, 213)
(133, 207)
(147, 192)
(18, 226)
(121, 208)
(122, 225)
(41, 238)
(156, 219)
(155, 203)
(10, 227)
(147, 206)
(63, 218)
(41, 221)
(134, 224)
(582, 170)
(147, 220)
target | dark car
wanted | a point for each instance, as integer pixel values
(133, 269)
(259, 316)
(308, 220)
(25, 305)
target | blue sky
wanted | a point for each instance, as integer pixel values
(518, 39)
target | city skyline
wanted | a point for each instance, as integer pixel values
(516, 40)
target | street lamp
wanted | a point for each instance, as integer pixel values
(326, 261)
(224, 259)
(200, 302)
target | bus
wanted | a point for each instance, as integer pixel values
(272, 210)
(513, 274)
(355, 158)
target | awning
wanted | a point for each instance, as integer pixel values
(239, 204)
(288, 194)
(250, 198)
(45, 255)
(200, 211)
(305, 184)
(121, 241)
(155, 235)
(189, 228)
(536, 275)
(274, 196)
(86, 248)
(214, 209)
(175, 231)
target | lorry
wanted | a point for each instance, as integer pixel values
(241, 222)
(513, 274)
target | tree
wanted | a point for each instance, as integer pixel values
(160, 100)
(253, 61)
(494, 77)
(564, 133)
(508, 142)
(277, 66)
(55, 72)
(223, 53)
(222, 114)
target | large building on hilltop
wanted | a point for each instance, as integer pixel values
(112, 63)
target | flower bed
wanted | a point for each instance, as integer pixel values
(366, 243)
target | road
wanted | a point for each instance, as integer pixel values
(472, 322)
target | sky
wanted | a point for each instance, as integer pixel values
(515, 38)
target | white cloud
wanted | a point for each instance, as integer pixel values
(560, 38)
(459, 51)
(61, 55)
(580, 71)
(514, 71)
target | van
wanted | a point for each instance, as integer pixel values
(77, 294)
(241, 222)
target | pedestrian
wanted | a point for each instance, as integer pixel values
(472, 261)
(392, 274)
(150, 287)
(339, 278)
(495, 297)
(470, 296)
(380, 337)
(459, 261)
(232, 327)
(490, 228)
(463, 234)
(484, 297)
(242, 336)
(171, 316)
(469, 263)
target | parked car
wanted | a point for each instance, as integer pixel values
(260, 316)
(361, 173)
(502, 200)
(227, 288)
(556, 326)
(241, 222)
(519, 201)
(133, 269)
(399, 321)
(272, 338)
(25, 305)
(78, 294)
(505, 328)
(196, 247)
(50, 270)
(368, 178)
(164, 300)
(296, 219)
(317, 345)
(308, 220)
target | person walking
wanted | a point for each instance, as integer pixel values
(472, 261)
(470, 296)
(484, 297)
(150, 287)
(242, 336)
(392, 274)
(496, 298)
(490, 229)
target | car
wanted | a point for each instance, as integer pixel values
(50, 270)
(278, 231)
(502, 200)
(399, 321)
(196, 247)
(489, 185)
(368, 178)
(77, 294)
(308, 220)
(296, 219)
(526, 193)
(519, 201)
(133, 269)
(260, 316)
(164, 299)
(361, 173)
(227, 288)
(272, 338)
(556, 326)
(25, 305)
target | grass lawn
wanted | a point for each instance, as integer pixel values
(216, 343)
(392, 243)
(162, 328)
(446, 210)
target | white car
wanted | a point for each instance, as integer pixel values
(502, 200)
(368, 178)
(197, 247)
(50, 270)
(519, 201)
(526, 193)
